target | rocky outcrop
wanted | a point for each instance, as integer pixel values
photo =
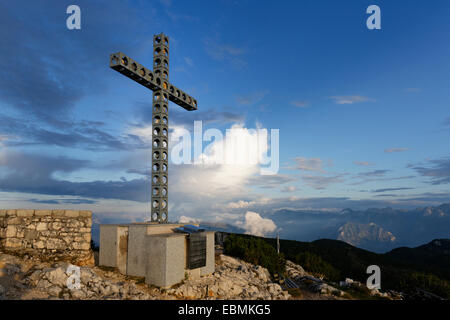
(233, 279)
(33, 279)
(54, 281)
(295, 271)
(360, 235)
(307, 281)
(30, 278)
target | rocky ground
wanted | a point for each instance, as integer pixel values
(233, 279)
(29, 278)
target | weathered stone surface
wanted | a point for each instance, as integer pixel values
(24, 213)
(233, 279)
(39, 245)
(13, 220)
(31, 234)
(60, 234)
(71, 213)
(58, 213)
(13, 243)
(87, 237)
(55, 244)
(11, 231)
(54, 291)
(262, 273)
(11, 212)
(78, 294)
(56, 225)
(42, 213)
(86, 214)
(41, 226)
(57, 276)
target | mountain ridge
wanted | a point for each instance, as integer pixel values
(425, 267)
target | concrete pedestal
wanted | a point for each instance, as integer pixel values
(114, 247)
(153, 251)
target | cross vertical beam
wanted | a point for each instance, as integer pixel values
(163, 92)
(160, 126)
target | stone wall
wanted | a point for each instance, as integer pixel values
(56, 235)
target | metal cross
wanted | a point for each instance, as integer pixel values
(163, 91)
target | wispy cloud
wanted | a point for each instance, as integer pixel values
(189, 61)
(252, 98)
(270, 181)
(363, 163)
(55, 82)
(391, 189)
(144, 114)
(311, 164)
(413, 90)
(378, 179)
(392, 150)
(225, 52)
(374, 173)
(63, 201)
(166, 2)
(180, 17)
(438, 170)
(321, 182)
(89, 135)
(299, 103)
(350, 99)
(288, 189)
(32, 173)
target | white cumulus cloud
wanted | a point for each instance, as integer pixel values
(256, 225)
(184, 219)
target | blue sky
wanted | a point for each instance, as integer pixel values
(363, 114)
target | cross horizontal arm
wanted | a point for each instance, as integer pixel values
(135, 71)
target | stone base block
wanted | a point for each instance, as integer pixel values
(113, 251)
(153, 251)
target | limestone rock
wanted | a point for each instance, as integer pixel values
(294, 270)
(54, 291)
(78, 294)
(57, 276)
(233, 279)
(262, 273)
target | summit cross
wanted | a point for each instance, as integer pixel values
(163, 92)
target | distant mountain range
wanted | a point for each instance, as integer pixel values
(378, 230)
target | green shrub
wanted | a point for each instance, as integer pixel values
(256, 251)
(315, 264)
